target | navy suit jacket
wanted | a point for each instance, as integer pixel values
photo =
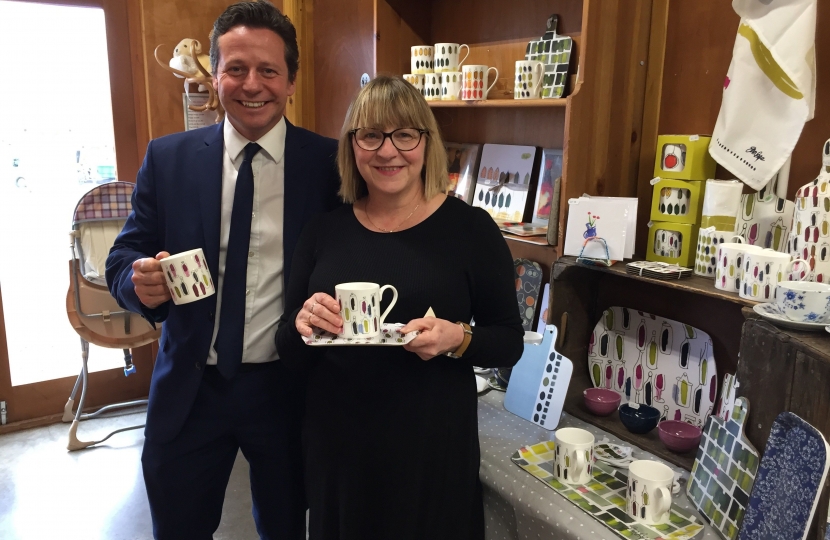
(176, 207)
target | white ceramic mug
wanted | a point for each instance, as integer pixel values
(674, 157)
(762, 271)
(422, 59)
(432, 86)
(668, 243)
(804, 301)
(708, 241)
(730, 263)
(360, 308)
(451, 85)
(446, 56)
(416, 80)
(528, 81)
(188, 276)
(475, 82)
(574, 455)
(674, 201)
(648, 499)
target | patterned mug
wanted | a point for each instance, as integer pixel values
(528, 81)
(476, 78)
(648, 498)
(574, 455)
(360, 308)
(432, 86)
(446, 56)
(188, 276)
(762, 271)
(422, 59)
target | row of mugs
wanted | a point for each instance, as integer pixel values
(470, 84)
(762, 274)
(648, 497)
(441, 58)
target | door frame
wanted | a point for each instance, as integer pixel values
(42, 403)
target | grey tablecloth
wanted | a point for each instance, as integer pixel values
(517, 506)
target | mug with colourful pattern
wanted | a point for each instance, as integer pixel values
(187, 276)
(360, 308)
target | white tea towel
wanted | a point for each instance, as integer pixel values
(769, 91)
(721, 203)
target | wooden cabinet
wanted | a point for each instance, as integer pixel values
(598, 124)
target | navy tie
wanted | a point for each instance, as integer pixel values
(229, 339)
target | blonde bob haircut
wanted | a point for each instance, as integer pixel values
(391, 103)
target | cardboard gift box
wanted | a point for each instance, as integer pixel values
(684, 157)
(673, 243)
(677, 201)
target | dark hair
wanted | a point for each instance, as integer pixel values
(256, 14)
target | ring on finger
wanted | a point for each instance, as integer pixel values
(314, 305)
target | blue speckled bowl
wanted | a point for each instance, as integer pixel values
(640, 420)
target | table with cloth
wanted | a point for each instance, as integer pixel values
(517, 506)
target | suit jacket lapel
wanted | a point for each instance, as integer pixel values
(207, 174)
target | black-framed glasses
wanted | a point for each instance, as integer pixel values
(404, 139)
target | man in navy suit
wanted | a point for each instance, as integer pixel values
(200, 415)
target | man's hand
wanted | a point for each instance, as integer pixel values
(148, 279)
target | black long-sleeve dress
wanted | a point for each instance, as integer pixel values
(390, 440)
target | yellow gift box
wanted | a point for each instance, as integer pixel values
(672, 243)
(677, 201)
(684, 157)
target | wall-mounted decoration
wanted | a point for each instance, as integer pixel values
(539, 382)
(506, 174)
(462, 161)
(528, 276)
(192, 65)
(765, 218)
(724, 471)
(655, 361)
(673, 243)
(789, 482)
(810, 237)
(604, 497)
(684, 157)
(555, 53)
(676, 201)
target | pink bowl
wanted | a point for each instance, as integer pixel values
(679, 436)
(601, 401)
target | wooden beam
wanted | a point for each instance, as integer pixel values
(300, 107)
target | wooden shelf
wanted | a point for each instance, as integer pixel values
(500, 103)
(695, 284)
(650, 442)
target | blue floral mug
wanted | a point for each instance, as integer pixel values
(804, 301)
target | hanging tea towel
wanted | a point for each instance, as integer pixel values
(769, 91)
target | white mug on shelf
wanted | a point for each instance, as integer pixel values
(730, 262)
(528, 81)
(422, 59)
(708, 241)
(432, 86)
(416, 80)
(475, 82)
(451, 85)
(762, 271)
(446, 56)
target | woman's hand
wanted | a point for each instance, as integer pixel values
(322, 311)
(437, 337)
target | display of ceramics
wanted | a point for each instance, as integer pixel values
(528, 276)
(723, 472)
(390, 334)
(789, 482)
(655, 361)
(810, 235)
(539, 382)
(771, 312)
(604, 497)
(765, 218)
(657, 270)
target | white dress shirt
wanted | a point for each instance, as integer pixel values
(264, 284)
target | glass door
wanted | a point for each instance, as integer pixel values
(56, 143)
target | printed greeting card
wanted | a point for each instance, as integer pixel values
(462, 163)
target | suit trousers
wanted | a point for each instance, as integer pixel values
(258, 411)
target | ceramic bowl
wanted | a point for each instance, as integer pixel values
(679, 436)
(639, 420)
(601, 401)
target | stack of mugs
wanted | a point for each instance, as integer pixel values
(438, 73)
(752, 271)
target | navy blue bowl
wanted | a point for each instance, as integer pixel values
(640, 420)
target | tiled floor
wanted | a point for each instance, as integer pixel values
(98, 493)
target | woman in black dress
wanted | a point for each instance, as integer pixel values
(391, 433)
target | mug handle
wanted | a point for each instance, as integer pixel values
(739, 237)
(460, 62)
(665, 503)
(539, 76)
(579, 466)
(495, 80)
(391, 305)
(787, 269)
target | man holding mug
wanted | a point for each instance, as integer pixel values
(242, 192)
